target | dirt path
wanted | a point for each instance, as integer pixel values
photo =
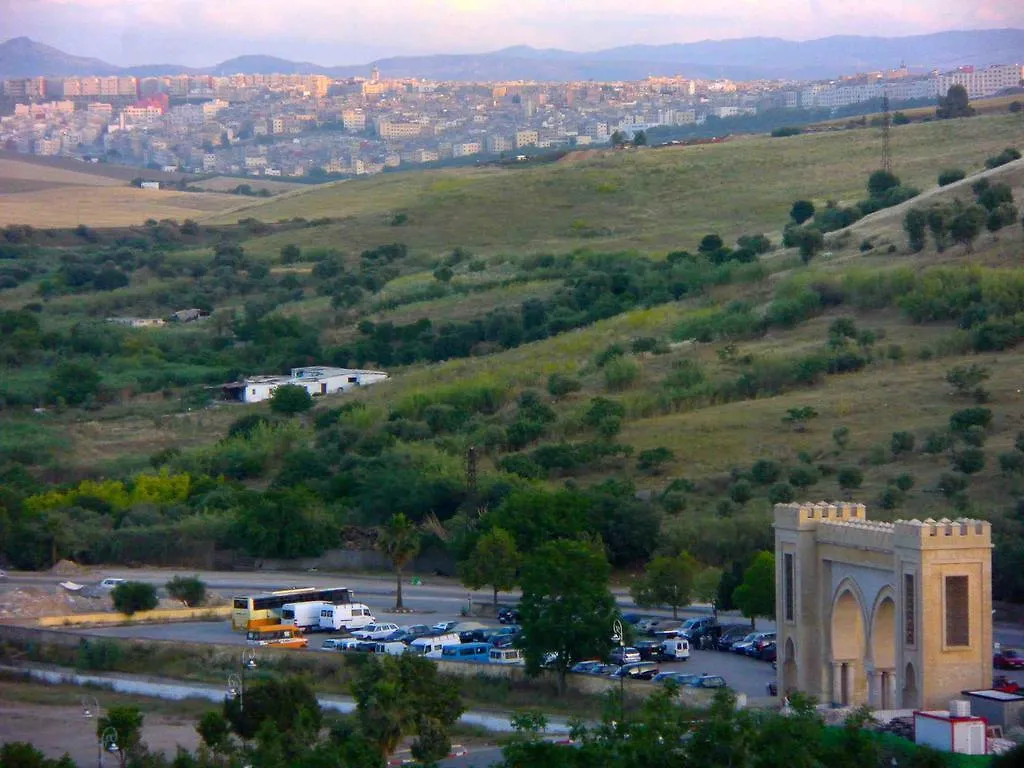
(56, 730)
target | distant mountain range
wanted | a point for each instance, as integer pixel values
(741, 59)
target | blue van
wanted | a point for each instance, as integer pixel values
(477, 652)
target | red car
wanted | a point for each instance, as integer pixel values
(1008, 658)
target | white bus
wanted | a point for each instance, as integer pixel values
(350, 616)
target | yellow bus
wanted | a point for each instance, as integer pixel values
(277, 635)
(267, 605)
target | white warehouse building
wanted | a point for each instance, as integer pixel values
(317, 380)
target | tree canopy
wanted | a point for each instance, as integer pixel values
(666, 581)
(756, 595)
(567, 609)
(493, 562)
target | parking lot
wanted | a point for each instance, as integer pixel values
(743, 674)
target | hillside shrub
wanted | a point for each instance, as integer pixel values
(951, 484)
(969, 460)
(781, 493)
(950, 176)
(741, 492)
(803, 477)
(621, 373)
(1008, 155)
(970, 417)
(904, 481)
(1011, 463)
(936, 442)
(902, 442)
(765, 471)
(560, 385)
(849, 478)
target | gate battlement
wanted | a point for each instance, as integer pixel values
(943, 534)
(894, 615)
(857, 534)
(809, 514)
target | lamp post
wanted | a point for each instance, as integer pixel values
(107, 741)
(236, 683)
(90, 707)
(617, 632)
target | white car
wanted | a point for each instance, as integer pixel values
(375, 631)
(110, 583)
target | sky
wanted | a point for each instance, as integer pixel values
(332, 32)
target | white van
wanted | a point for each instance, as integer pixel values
(304, 615)
(349, 616)
(676, 649)
(506, 656)
(110, 583)
(433, 646)
(393, 648)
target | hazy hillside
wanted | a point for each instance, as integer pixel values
(654, 200)
(745, 58)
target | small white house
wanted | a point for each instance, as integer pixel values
(322, 380)
(317, 380)
(951, 731)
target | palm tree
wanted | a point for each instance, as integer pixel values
(400, 541)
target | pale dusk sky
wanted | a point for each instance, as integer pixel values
(331, 32)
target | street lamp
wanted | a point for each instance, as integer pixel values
(90, 707)
(617, 632)
(236, 683)
(107, 741)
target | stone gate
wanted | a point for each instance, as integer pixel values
(893, 615)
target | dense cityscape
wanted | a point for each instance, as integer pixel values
(313, 126)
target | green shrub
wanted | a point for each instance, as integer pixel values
(902, 442)
(951, 484)
(969, 460)
(781, 493)
(904, 481)
(560, 385)
(765, 471)
(889, 498)
(951, 175)
(130, 597)
(970, 417)
(936, 442)
(803, 477)
(849, 478)
(741, 492)
(652, 459)
(1011, 463)
(188, 589)
(621, 373)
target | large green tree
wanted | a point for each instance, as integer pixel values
(567, 609)
(493, 562)
(398, 696)
(400, 540)
(666, 581)
(756, 595)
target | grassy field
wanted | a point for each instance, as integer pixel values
(228, 183)
(106, 206)
(653, 200)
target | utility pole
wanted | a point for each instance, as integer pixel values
(886, 130)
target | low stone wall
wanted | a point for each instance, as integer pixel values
(142, 617)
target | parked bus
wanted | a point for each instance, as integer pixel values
(276, 635)
(268, 605)
(466, 652)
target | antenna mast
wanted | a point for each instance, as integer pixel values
(886, 130)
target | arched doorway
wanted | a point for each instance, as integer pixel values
(789, 675)
(910, 696)
(849, 681)
(883, 655)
